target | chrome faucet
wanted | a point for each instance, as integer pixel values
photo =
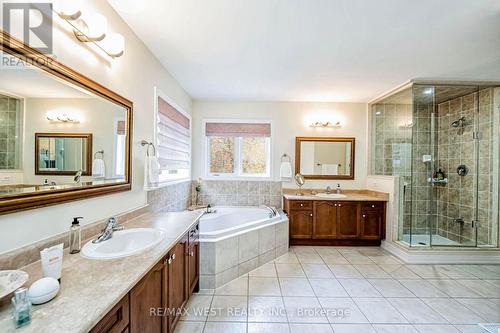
(339, 190)
(272, 211)
(328, 190)
(108, 230)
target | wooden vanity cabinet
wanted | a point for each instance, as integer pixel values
(177, 291)
(328, 222)
(154, 305)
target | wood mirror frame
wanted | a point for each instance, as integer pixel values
(299, 140)
(31, 200)
(88, 154)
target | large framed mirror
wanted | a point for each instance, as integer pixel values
(63, 136)
(325, 157)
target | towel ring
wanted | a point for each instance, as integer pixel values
(99, 152)
(149, 144)
(319, 164)
(286, 158)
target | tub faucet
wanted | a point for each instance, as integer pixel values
(272, 211)
(108, 230)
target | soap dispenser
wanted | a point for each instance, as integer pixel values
(75, 236)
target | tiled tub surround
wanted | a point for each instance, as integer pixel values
(90, 288)
(226, 259)
(238, 193)
(170, 198)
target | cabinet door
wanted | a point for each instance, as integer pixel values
(193, 267)
(324, 220)
(146, 297)
(348, 219)
(116, 320)
(371, 223)
(177, 282)
(301, 224)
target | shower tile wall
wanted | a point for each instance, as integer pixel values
(9, 133)
(456, 146)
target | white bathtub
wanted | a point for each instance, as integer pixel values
(233, 221)
(236, 240)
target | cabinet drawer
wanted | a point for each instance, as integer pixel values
(300, 205)
(116, 321)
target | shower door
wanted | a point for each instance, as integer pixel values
(454, 174)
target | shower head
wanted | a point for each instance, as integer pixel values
(458, 123)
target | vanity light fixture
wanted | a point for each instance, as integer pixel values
(326, 124)
(92, 28)
(64, 118)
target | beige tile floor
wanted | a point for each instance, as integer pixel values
(344, 290)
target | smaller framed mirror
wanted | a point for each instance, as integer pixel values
(63, 153)
(325, 157)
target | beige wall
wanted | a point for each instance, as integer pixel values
(98, 117)
(133, 76)
(290, 119)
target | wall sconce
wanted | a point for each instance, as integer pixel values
(92, 28)
(326, 124)
(63, 118)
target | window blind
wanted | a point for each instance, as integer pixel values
(238, 129)
(174, 137)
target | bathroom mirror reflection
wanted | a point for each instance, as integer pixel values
(325, 157)
(63, 154)
(59, 134)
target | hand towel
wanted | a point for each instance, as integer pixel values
(286, 170)
(151, 172)
(329, 169)
(98, 168)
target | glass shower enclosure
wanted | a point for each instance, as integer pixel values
(442, 141)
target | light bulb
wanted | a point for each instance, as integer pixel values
(114, 44)
(93, 25)
(68, 9)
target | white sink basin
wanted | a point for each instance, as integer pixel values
(331, 195)
(124, 243)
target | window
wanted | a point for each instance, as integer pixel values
(238, 149)
(173, 140)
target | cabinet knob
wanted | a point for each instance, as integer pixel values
(335, 205)
(301, 205)
(311, 215)
(340, 205)
(168, 261)
(191, 254)
(364, 215)
(373, 206)
(173, 256)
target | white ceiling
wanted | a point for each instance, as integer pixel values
(316, 50)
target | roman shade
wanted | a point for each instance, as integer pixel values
(238, 129)
(174, 138)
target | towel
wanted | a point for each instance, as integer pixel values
(151, 172)
(329, 169)
(98, 168)
(286, 170)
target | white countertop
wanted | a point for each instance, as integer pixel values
(90, 288)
